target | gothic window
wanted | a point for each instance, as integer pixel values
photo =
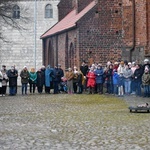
(48, 11)
(16, 12)
(71, 55)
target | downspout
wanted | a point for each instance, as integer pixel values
(133, 29)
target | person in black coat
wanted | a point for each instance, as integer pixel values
(40, 81)
(56, 79)
(84, 69)
(43, 71)
(12, 75)
(138, 79)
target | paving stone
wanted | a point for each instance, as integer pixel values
(53, 122)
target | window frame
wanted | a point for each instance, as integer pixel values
(49, 11)
(16, 12)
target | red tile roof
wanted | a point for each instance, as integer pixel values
(69, 21)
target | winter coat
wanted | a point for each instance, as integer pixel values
(1, 78)
(40, 79)
(32, 77)
(43, 71)
(146, 79)
(12, 75)
(138, 74)
(56, 75)
(61, 74)
(69, 75)
(99, 75)
(109, 76)
(91, 79)
(75, 77)
(127, 74)
(80, 79)
(115, 78)
(48, 76)
(120, 70)
(5, 79)
(84, 69)
(24, 77)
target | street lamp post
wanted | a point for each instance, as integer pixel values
(35, 20)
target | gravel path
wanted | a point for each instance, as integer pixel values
(72, 122)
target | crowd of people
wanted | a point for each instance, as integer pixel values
(118, 78)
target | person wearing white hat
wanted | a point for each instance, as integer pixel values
(146, 64)
(24, 79)
(146, 60)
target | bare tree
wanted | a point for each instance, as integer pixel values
(7, 17)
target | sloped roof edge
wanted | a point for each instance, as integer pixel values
(68, 22)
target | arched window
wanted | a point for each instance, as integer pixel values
(71, 55)
(16, 12)
(48, 11)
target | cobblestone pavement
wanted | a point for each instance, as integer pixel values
(72, 122)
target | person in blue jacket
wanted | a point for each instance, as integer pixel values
(48, 79)
(115, 81)
(99, 78)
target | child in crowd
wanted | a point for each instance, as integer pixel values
(115, 81)
(63, 85)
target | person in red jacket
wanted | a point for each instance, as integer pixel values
(91, 80)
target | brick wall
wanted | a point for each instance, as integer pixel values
(64, 7)
(147, 51)
(82, 4)
(112, 30)
(135, 29)
(100, 37)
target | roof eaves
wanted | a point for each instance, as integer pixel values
(79, 16)
(84, 15)
(48, 30)
(59, 32)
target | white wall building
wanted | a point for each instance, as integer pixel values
(24, 47)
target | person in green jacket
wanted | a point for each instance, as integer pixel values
(24, 79)
(146, 82)
(32, 80)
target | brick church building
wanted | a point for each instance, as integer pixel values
(98, 31)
